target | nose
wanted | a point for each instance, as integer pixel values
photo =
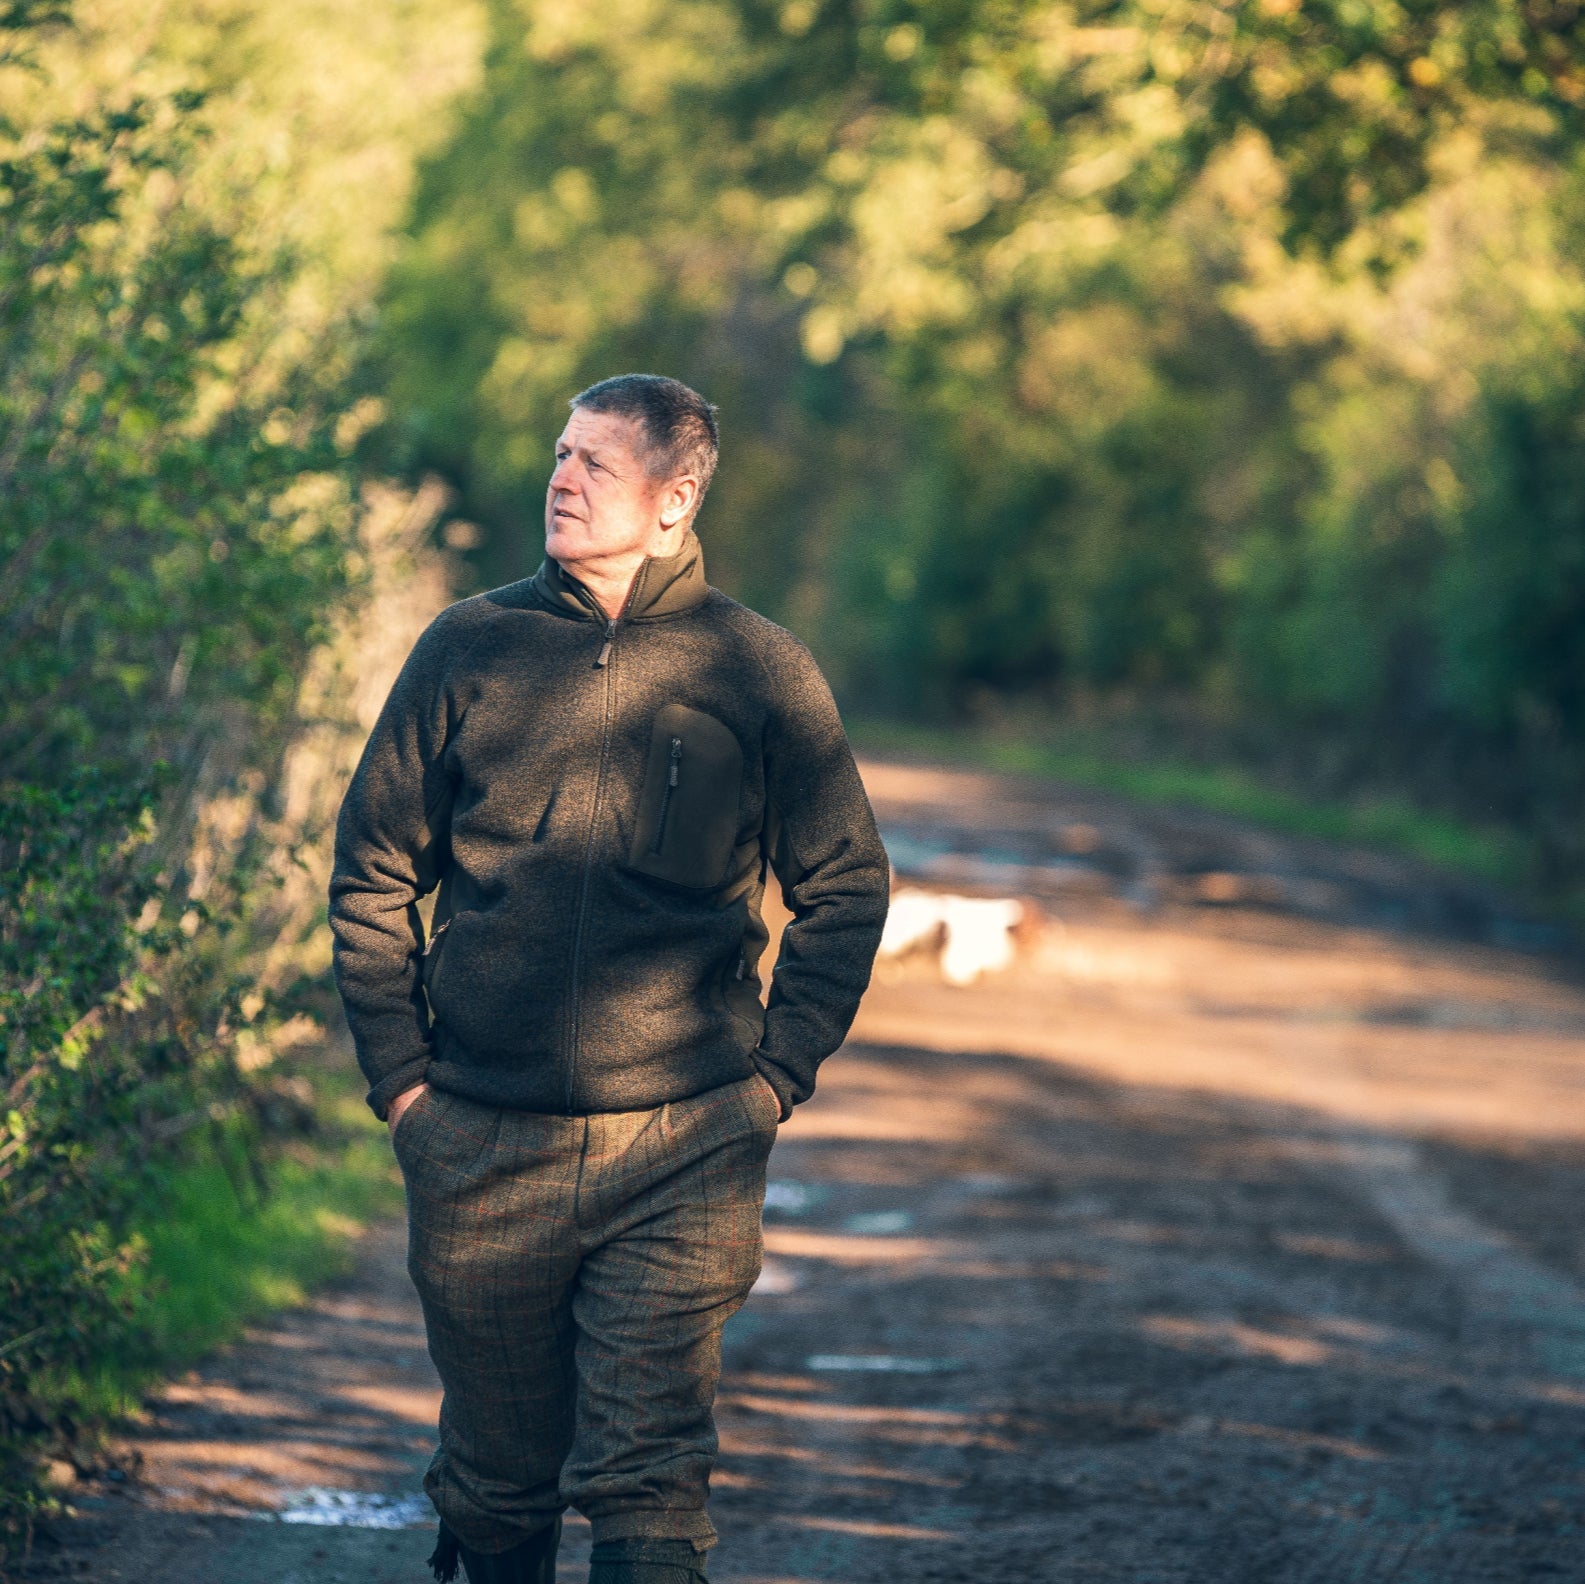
(565, 475)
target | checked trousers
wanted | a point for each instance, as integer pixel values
(575, 1274)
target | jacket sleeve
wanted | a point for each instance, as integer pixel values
(391, 849)
(827, 854)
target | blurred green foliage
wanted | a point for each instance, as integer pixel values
(1222, 360)
(1119, 351)
(177, 536)
(156, 577)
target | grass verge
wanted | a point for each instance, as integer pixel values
(227, 1242)
(1492, 855)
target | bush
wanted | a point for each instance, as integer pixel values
(173, 543)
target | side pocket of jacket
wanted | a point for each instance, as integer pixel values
(430, 970)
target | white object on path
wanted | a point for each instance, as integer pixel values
(976, 934)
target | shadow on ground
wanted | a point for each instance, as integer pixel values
(1223, 1241)
(1017, 1324)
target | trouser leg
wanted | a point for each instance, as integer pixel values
(493, 1253)
(671, 1203)
(639, 1561)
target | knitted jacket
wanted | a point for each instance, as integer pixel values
(598, 802)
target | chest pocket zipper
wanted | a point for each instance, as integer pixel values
(673, 776)
(685, 825)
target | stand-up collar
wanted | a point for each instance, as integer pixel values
(664, 586)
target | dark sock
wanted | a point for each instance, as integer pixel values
(531, 1562)
(443, 1559)
(641, 1560)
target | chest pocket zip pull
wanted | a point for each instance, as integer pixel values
(673, 774)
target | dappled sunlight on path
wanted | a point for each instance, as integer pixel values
(1210, 1243)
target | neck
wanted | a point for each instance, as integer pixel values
(609, 581)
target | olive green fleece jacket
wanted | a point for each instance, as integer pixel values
(598, 802)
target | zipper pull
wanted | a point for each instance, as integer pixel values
(605, 648)
(676, 761)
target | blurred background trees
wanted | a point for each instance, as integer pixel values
(1218, 361)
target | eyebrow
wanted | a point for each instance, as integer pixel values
(593, 453)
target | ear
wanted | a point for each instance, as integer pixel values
(677, 500)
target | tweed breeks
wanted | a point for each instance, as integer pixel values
(575, 1274)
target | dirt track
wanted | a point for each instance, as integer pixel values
(1230, 1239)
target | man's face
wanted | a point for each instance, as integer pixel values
(600, 502)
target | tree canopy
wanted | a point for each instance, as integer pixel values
(1226, 351)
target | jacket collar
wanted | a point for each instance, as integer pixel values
(664, 586)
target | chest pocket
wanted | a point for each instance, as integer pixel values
(688, 810)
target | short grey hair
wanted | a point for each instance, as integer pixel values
(678, 424)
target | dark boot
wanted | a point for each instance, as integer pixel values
(642, 1561)
(532, 1562)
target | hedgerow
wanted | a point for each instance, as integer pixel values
(173, 541)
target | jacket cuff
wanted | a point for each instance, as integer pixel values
(779, 1082)
(406, 1077)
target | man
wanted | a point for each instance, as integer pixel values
(595, 767)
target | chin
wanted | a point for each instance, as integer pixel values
(561, 543)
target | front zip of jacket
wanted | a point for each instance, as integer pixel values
(605, 664)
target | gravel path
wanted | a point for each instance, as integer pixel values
(1229, 1238)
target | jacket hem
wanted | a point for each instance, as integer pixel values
(546, 1093)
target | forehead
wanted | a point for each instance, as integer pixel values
(597, 431)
